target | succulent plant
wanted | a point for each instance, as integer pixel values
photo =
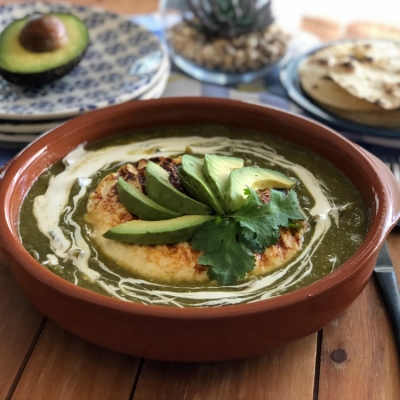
(231, 18)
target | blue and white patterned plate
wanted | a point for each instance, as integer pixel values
(19, 140)
(122, 62)
(28, 127)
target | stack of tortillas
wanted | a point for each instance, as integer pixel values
(356, 80)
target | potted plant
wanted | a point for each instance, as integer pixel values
(224, 41)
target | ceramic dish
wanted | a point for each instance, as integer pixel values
(289, 78)
(122, 62)
(158, 89)
(29, 127)
(15, 141)
(197, 334)
(9, 140)
(40, 126)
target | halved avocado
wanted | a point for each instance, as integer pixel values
(28, 62)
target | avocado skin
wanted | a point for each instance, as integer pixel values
(136, 202)
(24, 77)
(162, 192)
(157, 232)
(41, 78)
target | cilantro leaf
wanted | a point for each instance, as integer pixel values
(284, 207)
(281, 207)
(210, 235)
(229, 259)
(265, 233)
(260, 222)
(228, 242)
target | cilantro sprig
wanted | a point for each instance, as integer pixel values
(228, 241)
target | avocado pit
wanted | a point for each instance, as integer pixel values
(43, 33)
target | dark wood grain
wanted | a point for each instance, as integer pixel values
(19, 324)
(358, 356)
(283, 374)
(62, 366)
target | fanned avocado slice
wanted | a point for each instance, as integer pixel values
(216, 170)
(257, 179)
(162, 192)
(42, 48)
(139, 204)
(195, 183)
(157, 232)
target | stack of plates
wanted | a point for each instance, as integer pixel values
(123, 62)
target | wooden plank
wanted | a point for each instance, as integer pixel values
(358, 356)
(394, 248)
(63, 366)
(127, 7)
(19, 323)
(283, 374)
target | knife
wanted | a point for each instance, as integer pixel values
(387, 281)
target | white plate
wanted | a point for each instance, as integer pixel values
(24, 127)
(10, 141)
(157, 90)
(122, 62)
(18, 141)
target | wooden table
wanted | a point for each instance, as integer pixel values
(353, 358)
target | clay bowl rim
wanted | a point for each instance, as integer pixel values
(14, 249)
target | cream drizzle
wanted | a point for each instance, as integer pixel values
(81, 165)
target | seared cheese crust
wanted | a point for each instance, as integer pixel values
(171, 264)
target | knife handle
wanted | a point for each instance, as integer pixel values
(391, 296)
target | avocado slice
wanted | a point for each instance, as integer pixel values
(136, 202)
(216, 170)
(162, 192)
(257, 179)
(157, 232)
(26, 64)
(195, 183)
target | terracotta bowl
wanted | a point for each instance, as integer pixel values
(205, 334)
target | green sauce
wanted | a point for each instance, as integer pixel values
(339, 242)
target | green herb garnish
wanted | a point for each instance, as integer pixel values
(228, 242)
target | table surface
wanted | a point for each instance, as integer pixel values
(354, 357)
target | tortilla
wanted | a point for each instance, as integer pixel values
(316, 82)
(357, 80)
(379, 119)
(376, 80)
